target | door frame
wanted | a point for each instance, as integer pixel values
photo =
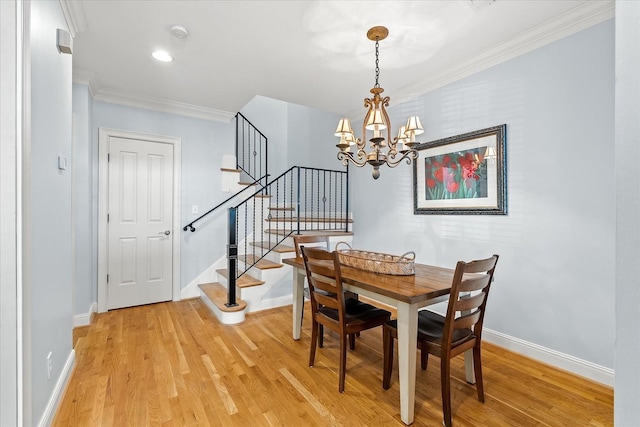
(103, 196)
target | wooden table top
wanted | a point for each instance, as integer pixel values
(427, 283)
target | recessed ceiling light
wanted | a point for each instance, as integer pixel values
(162, 56)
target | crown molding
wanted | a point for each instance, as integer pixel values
(86, 78)
(74, 15)
(581, 17)
(98, 93)
(162, 105)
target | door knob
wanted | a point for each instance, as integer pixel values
(166, 232)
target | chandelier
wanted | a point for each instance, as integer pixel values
(377, 121)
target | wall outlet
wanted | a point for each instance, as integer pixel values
(49, 364)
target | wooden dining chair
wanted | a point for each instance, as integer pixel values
(458, 331)
(323, 240)
(330, 309)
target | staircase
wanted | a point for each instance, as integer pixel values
(301, 200)
(265, 282)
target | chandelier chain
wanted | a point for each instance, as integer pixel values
(377, 62)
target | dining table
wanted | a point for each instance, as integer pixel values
(408, 294)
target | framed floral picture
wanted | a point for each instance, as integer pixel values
(463, 174)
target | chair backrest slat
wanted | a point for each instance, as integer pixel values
(474, 283)
(303, 239)
(467, 320)
(471, 302)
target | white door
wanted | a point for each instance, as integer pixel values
(139, 222)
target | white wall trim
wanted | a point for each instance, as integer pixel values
(56, 395)
(162, 105)
(85, 318)
(13, 54)
(23, 223)
(86, 78)
(555, 358)
(209, 275)
(103, 186)
(74, 15)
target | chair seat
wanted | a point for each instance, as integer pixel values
(356, 311)
(431, 327)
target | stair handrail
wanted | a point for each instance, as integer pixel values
(190, 226)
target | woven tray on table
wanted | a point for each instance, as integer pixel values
(402, 265)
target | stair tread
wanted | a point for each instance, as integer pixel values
(276, 208)
(230, 170)
(263, 264)
(218, 295)
(279, 248)
(307, 219)
(286, 232)
(248, 184)
(243, 281)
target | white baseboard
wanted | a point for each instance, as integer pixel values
(54, 400)
(191, 290)
(555, 358)
(85, 319)
(276, 302)
(209, 275)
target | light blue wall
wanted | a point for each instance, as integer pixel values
(555, 279)
(298, 135)
(204, 143)
(310, 137)
(269, 116)
(47, 231)
(83, 200)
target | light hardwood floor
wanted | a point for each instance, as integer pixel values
(174, 364)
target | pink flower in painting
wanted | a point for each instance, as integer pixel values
(452, 187)
(469, 183)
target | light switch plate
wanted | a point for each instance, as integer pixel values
(62, 163)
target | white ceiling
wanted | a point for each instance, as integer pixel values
(313, 53)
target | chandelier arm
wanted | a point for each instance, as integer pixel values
(346, 157)
(408, 156)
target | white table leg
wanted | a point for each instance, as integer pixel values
(407, 346)
(298, 301)
(468, 357)
(468, 367)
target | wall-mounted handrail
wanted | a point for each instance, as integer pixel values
(190, 225)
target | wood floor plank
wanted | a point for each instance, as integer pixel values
(174, 364)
